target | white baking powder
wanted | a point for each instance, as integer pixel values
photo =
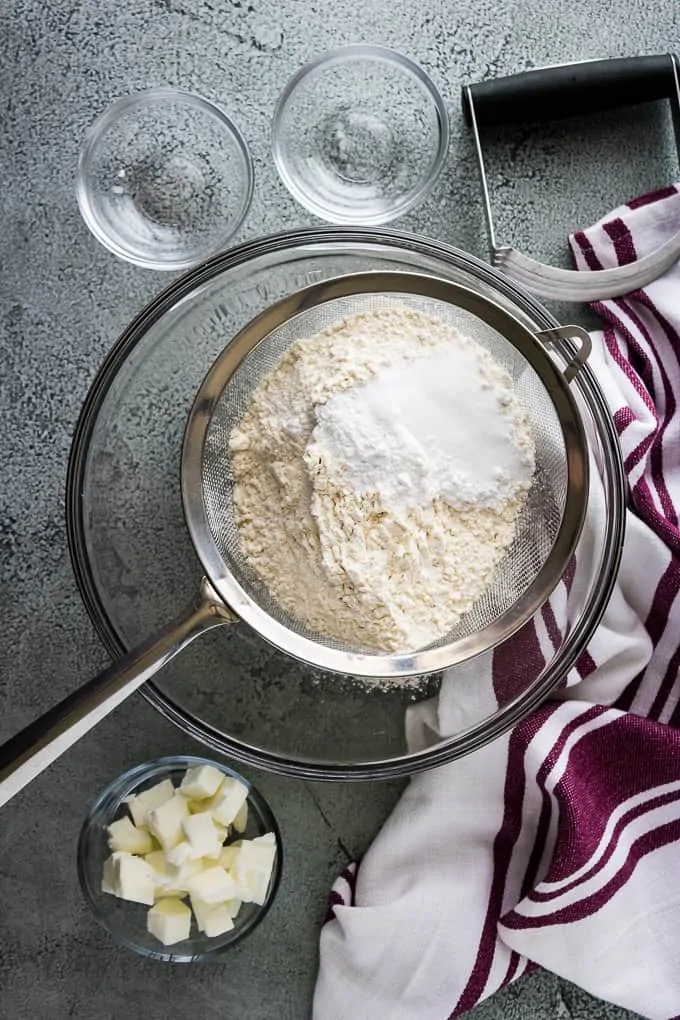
(447, 425)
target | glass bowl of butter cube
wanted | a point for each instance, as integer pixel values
(180, 858)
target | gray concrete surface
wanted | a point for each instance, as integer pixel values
(63, 300)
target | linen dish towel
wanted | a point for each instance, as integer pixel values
(558, 844)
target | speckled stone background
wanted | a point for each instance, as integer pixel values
(63, 300)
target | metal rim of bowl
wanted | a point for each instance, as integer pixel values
(406, 764)
(122, 786)
(94, 135)
(333, 58)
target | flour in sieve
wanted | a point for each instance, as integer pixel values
(379, 470)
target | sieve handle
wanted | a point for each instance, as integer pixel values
(24, 756)
(559, 338)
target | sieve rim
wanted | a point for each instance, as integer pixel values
(365, 663)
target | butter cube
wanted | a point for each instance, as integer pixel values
(252, 867)
(165, 821)
(169, 921)
(233, 906)
(241, 818)
(157, 861)
(163, 880)
(218, 921)
(201, 782)
(253, 886)
(181, 876)
(228, 856)
(222, 831)
(109, 876)
(213, 919)
(228, 801)
(180, 854)
(141, 803)
(201, 910)
(253, 854)
(216, 854)
(202, 835)
(132, 878)
(213, 885)
(126, 837)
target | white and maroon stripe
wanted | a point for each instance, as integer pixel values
(601, 824)
(656, 342)
(536, 746)
(620, 818)
(652, 827)
(630, 338)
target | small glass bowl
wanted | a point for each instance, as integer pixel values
(360, 135)
(126, 921)
(164, 179)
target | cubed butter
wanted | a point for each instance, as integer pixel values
(180, 854)
(212, 919)
(252, 867)
(218, 921)
(165, 821)
(182, 875)
(141, 803)
(214, 857)
(132, 878)
(213, 885)
(126, 837)
(233, 906)
(228, 856)
(169, 921)
(190, 825)
(222, 831)
(253, 886)
(254, 854)
(228, 801)
(241, 818)
(201, 910)
(109, 876)
(201, 782)
(161, 875)
(202, 835)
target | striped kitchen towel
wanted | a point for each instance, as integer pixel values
(559, 843)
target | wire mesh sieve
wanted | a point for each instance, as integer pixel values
(549, 522)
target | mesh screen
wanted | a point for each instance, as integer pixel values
(539, 520)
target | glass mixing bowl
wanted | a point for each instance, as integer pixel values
(136, 567)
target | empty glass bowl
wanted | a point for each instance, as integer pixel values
(360, 135)
(126, 921)
(164, 178)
